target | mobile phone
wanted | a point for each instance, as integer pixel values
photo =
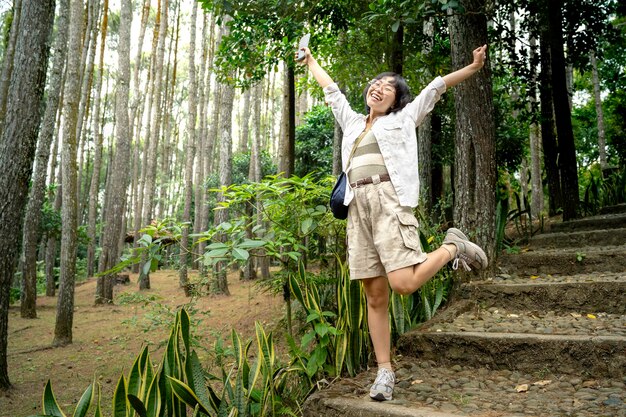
(304, 43)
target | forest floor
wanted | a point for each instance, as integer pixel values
(106, 339)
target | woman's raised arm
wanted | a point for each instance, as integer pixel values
(320, 75)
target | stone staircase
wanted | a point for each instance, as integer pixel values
(545, 337)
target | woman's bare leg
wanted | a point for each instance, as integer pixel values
(408, 280)
(377, 293)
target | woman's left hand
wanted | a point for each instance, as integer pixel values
(480, 56)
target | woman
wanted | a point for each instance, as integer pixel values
(383, 241)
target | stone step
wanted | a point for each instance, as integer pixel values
(603, 221)
(565, 261)
(603, 237)
(425, 389)
(591, 292)
(618, 208)
(596, 356)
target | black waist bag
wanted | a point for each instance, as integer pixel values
(339, 210)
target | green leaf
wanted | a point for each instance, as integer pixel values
(98, 412)
(240, 254)
(85, 402)
(146, 268)
(395, 26)
(252, 244)
(120, 403)
(186, 395)
(306, 224)
(50, 405)
(217, 253)
(137, 405)
(217, 245)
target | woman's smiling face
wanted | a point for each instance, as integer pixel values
(381, 95)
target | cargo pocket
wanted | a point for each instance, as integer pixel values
(408, 230)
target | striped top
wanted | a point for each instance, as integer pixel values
(367, 160)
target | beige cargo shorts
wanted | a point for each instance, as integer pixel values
(382, 235)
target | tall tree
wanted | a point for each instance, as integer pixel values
(151, 166)
(115, 196)
(17, 145)
(475, 163)
(189, 153)
(562, 113)
(220, 283)
(69, 194)
(97, 160)
(599, 113)
(32, 220)
(7, 63)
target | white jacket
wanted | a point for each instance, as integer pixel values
(395, 134)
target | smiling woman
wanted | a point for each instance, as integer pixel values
(379, 157)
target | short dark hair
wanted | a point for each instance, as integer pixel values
(403, 93)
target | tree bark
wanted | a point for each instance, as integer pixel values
(548, 135)
(115, 197)
(69, 194)
(287, 145)
(599, 112)
(535, 144)
(189, 154)
(32, 219)
(17, 146)
(220, 282)
(424, 137)
(7, 62)
(563, 118)
(97, 162)
(475, 166)
(149, 187)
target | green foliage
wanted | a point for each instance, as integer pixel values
(314, 142)
(341, 339)
(602, 189)
(246, 384)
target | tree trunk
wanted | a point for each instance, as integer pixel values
(599, 113)
(97, 162)
(69, 169)
(208, 52)
(149, 187)
(220, 282)
(89, 49)
(201, 145)
(245, 122)
(475, 166)
(548, 135)
(567, 150)
(7, 62)
(17, 146)
(424, 137)
(397, 50)
(189, 153)
(115, 197)
(286, 156)
(32, 220)
(136, 112)
(535, 144)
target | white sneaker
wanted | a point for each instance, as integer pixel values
(382, 388)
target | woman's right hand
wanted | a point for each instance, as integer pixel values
(307, 56)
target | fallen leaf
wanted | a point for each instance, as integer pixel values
(521, 388)
(417, 381)
(543, 383)
(591, 316)
(576, 315)
(513, 316)
(534, 276)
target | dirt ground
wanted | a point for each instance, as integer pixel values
(106, 339)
